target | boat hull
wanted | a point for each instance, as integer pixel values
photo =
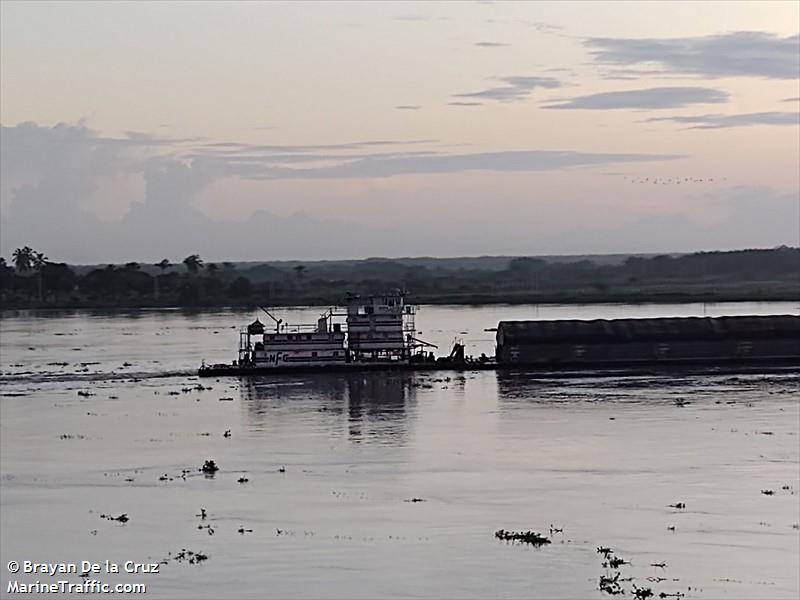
(787, 364)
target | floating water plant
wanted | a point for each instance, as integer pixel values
(525, 537)
(641, 593)
(209, 467)
(615, 562)
(610, 585)
(123, 518)
(189, 556)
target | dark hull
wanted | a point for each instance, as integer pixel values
(783, 364)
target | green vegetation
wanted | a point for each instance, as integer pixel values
(35, 282)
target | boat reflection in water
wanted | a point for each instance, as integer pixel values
(367, 407)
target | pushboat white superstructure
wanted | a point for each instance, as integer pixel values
(377, 329)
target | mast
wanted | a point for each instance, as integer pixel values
(271, 316)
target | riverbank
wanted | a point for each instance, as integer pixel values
(737, 276)
(677, 295)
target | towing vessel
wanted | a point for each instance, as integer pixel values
(368, 333)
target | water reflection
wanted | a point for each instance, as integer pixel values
(521, 388)
(373, 407)
(377, 407)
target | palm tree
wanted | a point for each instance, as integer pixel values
(39, 261)
(193, 263)
(162, 264)
(5, 278)
(22, 258)
(299, 270)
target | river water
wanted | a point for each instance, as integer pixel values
(101, 414)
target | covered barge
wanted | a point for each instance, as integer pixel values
(658, 341)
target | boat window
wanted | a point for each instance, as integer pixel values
(308, 336)
(289, 336)
(336, 353)
(313, 355)
(369, 310)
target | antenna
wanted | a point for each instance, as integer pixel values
(271, 316)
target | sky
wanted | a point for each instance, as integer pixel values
(326, 130)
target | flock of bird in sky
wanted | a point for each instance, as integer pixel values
(671, 180)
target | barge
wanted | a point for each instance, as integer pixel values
(661, 341)
(378, 333)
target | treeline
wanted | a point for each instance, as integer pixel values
(32, 280)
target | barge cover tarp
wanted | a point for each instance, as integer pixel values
(607, 331)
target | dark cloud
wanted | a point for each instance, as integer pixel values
(516, 88)
(208, 163)
(465, 104)
(408, 107)
(491, 44)
(175, 174)
(740, 120)
(639, 74)
(741, 53)
(243, 160)
(39, 150)
(23, 148)
(791, 99)
(174, 182)
(236, 147)
(652, 98)
(511, 161)
(48, 173)
(51, 170)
